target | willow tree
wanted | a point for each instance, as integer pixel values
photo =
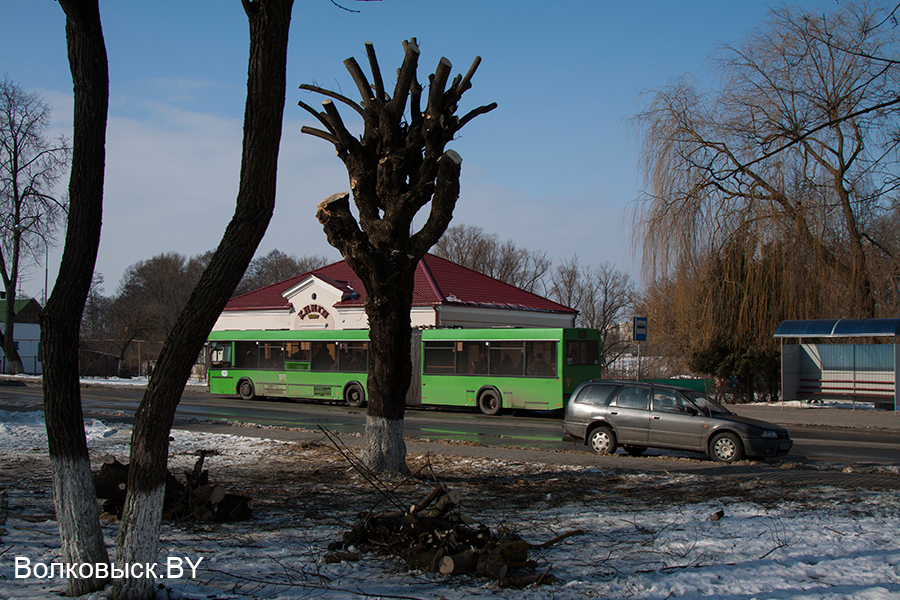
(796, 145)
(397, 167)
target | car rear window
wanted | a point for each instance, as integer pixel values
(598, 394)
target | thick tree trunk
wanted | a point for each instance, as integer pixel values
(388, 308)
(73, 488)
(139, 529)
(9, 339)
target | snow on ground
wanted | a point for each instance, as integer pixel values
(816, 543)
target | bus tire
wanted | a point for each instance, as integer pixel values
(245, 389)
(355, 395)
(489, 402)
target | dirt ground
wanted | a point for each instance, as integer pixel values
(310, 479)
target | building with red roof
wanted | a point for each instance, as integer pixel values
(445, 295)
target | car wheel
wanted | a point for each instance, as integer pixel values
(602, 440)
(489, 402)
(245, 389)
(355, 395)
(635, 450)
(726, 448)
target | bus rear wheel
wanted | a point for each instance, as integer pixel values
(355, 395)
(245, 389)
(489, 402)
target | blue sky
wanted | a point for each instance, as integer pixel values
(554, 167)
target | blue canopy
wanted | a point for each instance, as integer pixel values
(832, 328)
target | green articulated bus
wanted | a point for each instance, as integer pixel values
(491, 369)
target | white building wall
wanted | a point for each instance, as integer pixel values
(28, 336)
(252, 319)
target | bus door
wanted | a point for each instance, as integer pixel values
(219, 369)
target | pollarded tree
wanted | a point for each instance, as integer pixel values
(396, 167)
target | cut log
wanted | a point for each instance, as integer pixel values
(110, 480)
(233, 507)
(207, 495)
(431, 497)
(491, 565)
(443, 505)
(464, 562)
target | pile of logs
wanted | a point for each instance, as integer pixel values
(196, 498)
(434, 536)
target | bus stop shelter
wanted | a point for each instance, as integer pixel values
(827, 363)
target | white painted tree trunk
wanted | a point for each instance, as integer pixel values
(383, 448)
(137, 543)
(78, 518)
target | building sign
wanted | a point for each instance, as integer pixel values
(639, 329)
(313, 311)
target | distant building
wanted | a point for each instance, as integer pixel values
(445, 295)
(27, 333)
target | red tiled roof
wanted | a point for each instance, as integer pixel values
(437, 281)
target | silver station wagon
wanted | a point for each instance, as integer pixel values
(635, 415)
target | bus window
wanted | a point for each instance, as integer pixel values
(582, 353)
(296, 351)
(354, 357)
(541, 359)
(471, 358)
(220, 355)
(323, 356)
(245, 355)
(438, 358)
(507, 358)
(271, 356)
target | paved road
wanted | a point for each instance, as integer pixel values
(826, 430)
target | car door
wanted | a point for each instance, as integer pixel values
(675, 422)
(629, 413)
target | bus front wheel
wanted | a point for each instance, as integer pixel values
(245, 389)
(489, 402)
(355, 395)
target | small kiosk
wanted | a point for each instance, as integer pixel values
(826, 363)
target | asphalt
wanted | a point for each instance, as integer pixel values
(781, 471)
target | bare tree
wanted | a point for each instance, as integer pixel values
(396, 168)
(475, 249)
(30, 166)
(602, 296)
(138, 535)
(274, 267)
(94, 319)
(789, 148)
(73, 489)
(130, 317)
